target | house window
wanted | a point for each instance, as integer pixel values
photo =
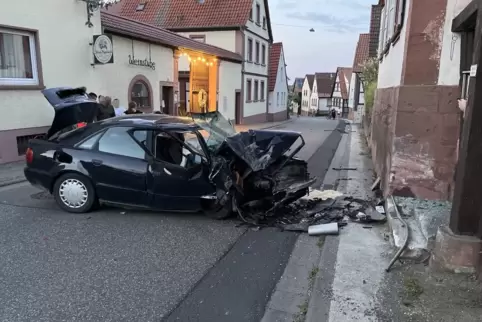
(250, 49)
(141, 6)
(328, 102)
(258, 14)
(277, 98)
(261, 90)
(18, 58)
(391, 19)
(257, 52)
(337, 87)
(141, 95)
(264, 22)
(248, 90)
(381, 41)
(200, 38)
(251, 14)
(263, 55)
(256, 91)
(399, 15)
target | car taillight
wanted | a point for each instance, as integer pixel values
(81, 124)
(29, 155)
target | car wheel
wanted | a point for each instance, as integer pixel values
(74, 193)
(215, 211)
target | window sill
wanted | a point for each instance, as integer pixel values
(249, 101)
(258, 24)
(251, 19)
(264, 65)
(256, 63)
(396, 36)
(249, 61)
(264, 28)
(21, 87)
(262, 100)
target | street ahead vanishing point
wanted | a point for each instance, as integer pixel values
(162, 162)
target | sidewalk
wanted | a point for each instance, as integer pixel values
(349, 290)
(266, 125)
(12, 173)
(352, 284)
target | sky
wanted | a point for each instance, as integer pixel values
(337, 25)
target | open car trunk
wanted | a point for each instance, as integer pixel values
(71, 105)
(256, 167)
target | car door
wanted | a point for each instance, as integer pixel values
(118, 166)
(177, 186)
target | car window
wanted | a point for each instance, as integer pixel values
(118, 141)
(89, 143)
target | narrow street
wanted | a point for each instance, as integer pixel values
(123, 265)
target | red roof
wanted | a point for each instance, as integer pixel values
(361, 53)
(324, 84)
(344, 72)
(127, 27)
(274, 57)
(190, 14)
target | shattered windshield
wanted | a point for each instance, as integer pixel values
(215, 128)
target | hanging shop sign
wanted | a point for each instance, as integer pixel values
(142, 62)
(103, 49)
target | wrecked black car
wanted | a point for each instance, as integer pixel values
(162, 162)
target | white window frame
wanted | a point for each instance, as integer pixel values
(381, 41)
(390, 25)
(33, 56)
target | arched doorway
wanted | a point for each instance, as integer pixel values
(140, 92)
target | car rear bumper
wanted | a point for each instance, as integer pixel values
(38, 178)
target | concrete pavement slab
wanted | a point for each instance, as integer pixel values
(361, 254)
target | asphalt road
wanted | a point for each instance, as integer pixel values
(116, 265)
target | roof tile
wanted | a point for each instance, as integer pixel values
(361, 53)
(274, 57)
(311, 79)
(324, 83)
(344, 73)
(150, 33)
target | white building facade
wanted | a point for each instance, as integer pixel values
(278, 87)
(306, 94)
(37, 54)
(252, 41)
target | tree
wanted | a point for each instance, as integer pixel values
(93, 5)
(369, 80)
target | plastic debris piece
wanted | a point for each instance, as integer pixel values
(323, 229)
(380, 209)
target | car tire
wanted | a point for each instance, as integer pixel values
(74, 193)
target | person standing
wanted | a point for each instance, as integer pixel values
(106, 110)
(119, 110)
(132, 109)
(333, 113)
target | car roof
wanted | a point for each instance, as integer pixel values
(163, 121)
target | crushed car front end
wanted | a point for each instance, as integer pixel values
(256, 168)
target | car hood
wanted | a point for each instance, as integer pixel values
(258, 148)
(71, 106)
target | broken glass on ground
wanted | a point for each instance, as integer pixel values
(318, 207)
